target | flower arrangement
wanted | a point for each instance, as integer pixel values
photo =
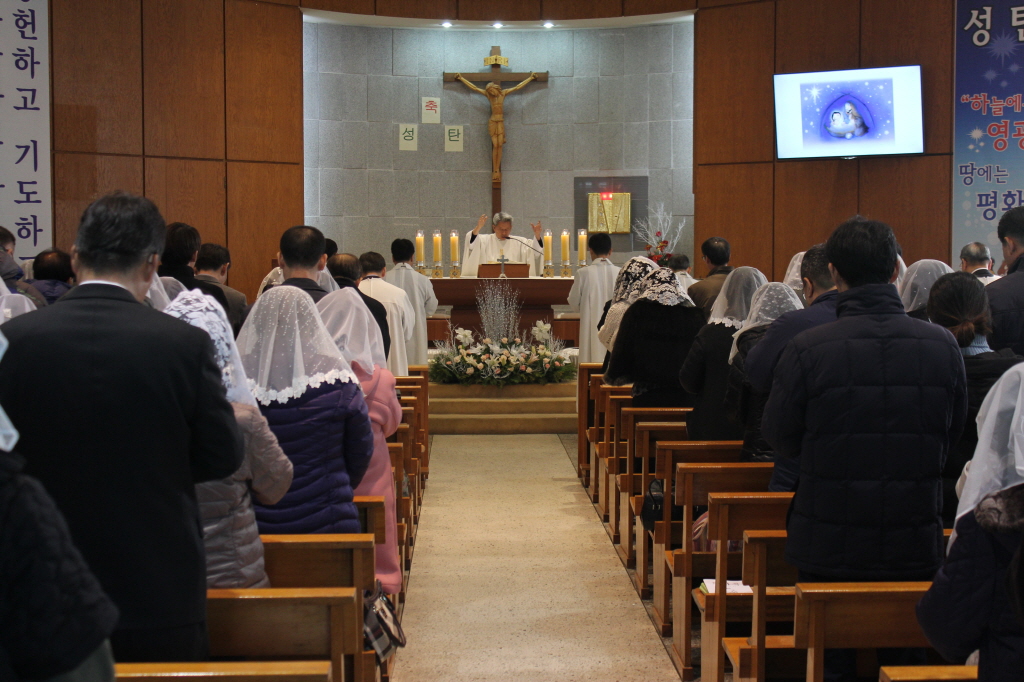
(658, 233)
(503, 356)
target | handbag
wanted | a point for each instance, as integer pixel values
(654, 504)
(381, 628)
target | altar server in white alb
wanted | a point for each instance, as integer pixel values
(421, 295)
(401, 316)
(488, 248)
(591, 289)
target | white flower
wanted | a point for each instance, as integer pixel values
(541, 331)
(464, 336)
(469, 370)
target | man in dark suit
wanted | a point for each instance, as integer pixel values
(302, 257)
(716, 253)
(347, 272)
(144, 418)
(179, 258)
(212, 266)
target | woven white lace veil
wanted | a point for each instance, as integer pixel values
(354, 330)
(203, 311)
(733, 302)
(792, 277)
(157, 294)
(627, 282)
(917, 283)
(13, 305)
(286, 349)
(662, 286)
(768, 304)
(8, 434)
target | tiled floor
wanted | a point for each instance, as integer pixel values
(514, 576)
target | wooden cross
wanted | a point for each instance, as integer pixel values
(496, 95)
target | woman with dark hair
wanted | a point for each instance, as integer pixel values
(959, 303)
(916, 284)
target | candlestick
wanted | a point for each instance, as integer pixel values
(455, 271)
(565, 247)
(548, 247)
(438, 255)
(582, 246)
(420, 256)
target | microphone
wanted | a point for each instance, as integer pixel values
(525, 243)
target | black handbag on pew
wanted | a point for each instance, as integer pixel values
(381, 628)
(654, 504)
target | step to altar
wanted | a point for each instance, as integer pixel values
(533, 408)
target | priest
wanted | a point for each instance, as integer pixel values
(591, 289)
(488, 248)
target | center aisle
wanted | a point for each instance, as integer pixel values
(515, 577)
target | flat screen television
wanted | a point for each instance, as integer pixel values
(860, 112)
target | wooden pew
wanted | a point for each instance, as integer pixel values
(730, 517)
(613, 440)
(585, 412)
(305, 623)
(693, 483)
(371, 516)
(418, 385)
(667, 533)
(243, 671)
(598, 432)
(329, 560)
(855, 616)
(929, 673)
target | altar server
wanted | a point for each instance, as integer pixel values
(401, 316)
(591, 289)
(421, 296)
(487, 248)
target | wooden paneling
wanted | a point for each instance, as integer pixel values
(490, 10)
(79, 179)
(632, 7)
(183, 69)
(264, 199)
(911, 194)
(263, 81)
(811, 199)
(734, 201)
(916, 32)
(720, 3)
(733, 98)
(97, 76)
(191, 192)
(580, 9)
(349, 6)
(419, 9)
(811, 35)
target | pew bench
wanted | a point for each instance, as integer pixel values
(328, 560)
(929, 673)
(244, 671)
(371, 516)
(585, 413)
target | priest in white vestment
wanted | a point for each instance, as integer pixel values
(591, 289)
(401, 316)
(421, 296)
(488, 248)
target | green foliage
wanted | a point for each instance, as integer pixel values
(532, 359)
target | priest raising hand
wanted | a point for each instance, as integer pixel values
(488, 248)
(537, 233)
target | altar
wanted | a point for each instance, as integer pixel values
(537, 295)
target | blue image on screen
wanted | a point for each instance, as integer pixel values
(847, 112)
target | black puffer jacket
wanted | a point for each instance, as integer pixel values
(870, 404)
(706, 374)
(968, 607)
(1006, 301)
(53, 613)
(744, 404)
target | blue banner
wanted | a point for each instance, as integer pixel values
(988, 142)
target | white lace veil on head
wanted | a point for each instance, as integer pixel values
(286, 349)
(917, 283)
(354, 330)
(769, 303)
(901, 273)
(662, 286)
(202, 311)
(13, 305)
(733, 302)
(792, 278)
(157, 294)
(8, 434)
(274, 277)
(628, 280)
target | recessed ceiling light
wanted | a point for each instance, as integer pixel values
(548, 24)
(497, 24)
(447, 24)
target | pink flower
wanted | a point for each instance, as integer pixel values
(522, 368)
(448, 363)
(558, 364)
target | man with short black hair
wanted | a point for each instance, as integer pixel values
(212, 266)
(421, 296)
(344, 267)
(976, 259)
(868, 405)
(680, 264)
(330, 248)
(715, 252)
(1006, 295)
(53, 274)
(179, 257)
(302, 257)
(147, 418)
(591, 289)
(401, 315)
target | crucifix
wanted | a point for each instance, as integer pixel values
(496, 95)
(503, 260)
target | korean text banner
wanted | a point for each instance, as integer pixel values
(25, 198)
(988, 144)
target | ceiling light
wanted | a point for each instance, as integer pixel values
(447, 24)
(548, 24)
(497, 24)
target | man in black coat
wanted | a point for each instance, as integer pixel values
(1006, 295)
(178, 260)
(869, 405)
(144, 419)
(345, 269)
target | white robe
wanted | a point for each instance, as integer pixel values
(421, 295)
(401, 319)
(685, 280)
(276, 276)
(591, 289)
(487, 248)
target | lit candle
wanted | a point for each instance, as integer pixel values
(547, 246)
(565, 246)
(419, 246)
(438, 256)
(455, 246)
(583, 246)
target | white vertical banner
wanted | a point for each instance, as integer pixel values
(453, 138)
(25, 196)
(407, 134)
(430, 109)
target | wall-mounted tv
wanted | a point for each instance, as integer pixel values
(860, 112)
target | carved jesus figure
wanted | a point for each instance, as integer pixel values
(496, 124)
